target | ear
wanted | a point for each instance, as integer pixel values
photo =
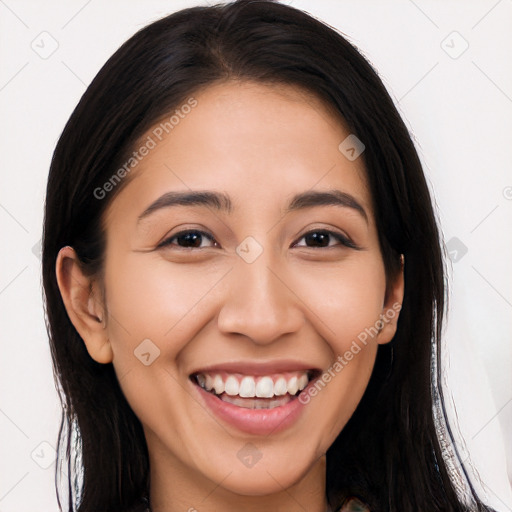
(392, 306)
(82, 298)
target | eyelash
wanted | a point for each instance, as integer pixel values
(338, 236)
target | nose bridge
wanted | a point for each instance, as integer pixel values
(258, 304)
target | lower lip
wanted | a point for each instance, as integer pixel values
(261, 422)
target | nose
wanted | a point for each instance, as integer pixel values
(259, 303)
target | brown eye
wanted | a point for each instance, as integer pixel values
(190, 239)
(321, 238)
(318, 239)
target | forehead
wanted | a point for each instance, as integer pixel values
(257, 141)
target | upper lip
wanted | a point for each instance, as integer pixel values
(257, 368)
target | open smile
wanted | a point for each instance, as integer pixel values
(258, 404)
(254, 392)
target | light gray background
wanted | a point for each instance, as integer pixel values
(456, 101)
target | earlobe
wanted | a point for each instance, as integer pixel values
(82, 299)
(392, 306)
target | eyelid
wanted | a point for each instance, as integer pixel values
(342, 238)
(166, 240)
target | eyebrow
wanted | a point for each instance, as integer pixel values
(215, 200)
(221, 202)
(333, 197)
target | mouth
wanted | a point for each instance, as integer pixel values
(255, 391)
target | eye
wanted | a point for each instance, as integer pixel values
(320, 238)
(190, 239)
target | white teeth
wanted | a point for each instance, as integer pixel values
(303, 382)
(280, 387)
(293, 385)
(247, 388)
(218, 384)
(265, 388)
(231, 387)
(251, 387)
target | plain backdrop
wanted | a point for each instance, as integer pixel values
(447, 66)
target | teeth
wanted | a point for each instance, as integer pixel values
(303, 381)
(253, 387)
(218, 384)
(247, 388)
(265, 388)
(232, 387)
(256, 403)
(280, 387)
(293, 385)
(201, 380)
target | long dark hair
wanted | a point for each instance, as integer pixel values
(396, 452)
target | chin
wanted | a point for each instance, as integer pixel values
(270, 475)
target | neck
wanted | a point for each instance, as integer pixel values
(175, 487)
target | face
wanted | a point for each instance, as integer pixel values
(223, 306)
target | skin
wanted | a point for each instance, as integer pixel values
(206, 305)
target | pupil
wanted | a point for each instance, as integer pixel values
(317, 239)
(190, 239)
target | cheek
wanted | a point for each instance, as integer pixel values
(346, 300)
(155, 309)
(149, 298)
(345, 305)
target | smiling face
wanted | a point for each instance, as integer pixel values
(242, 263)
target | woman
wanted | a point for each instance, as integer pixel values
(244, 279)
